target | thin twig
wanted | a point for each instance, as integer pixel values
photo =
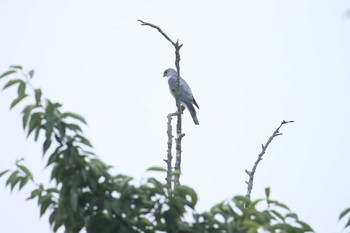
(263, 150)
(179, 134)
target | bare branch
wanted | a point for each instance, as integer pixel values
(263, 150)
(178, 158)
(169, 154)
(179, 134)
(159, 30)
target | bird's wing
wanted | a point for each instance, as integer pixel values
(172, 85)
(186, 95)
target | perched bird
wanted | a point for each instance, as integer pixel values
(186, 96)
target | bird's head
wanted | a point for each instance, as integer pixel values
(170, 72)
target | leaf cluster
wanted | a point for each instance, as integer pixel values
(85, 195)
(239, 214)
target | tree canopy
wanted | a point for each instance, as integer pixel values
(85, 195)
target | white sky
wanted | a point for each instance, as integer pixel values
(250, 64)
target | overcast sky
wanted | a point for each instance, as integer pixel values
(250, 64)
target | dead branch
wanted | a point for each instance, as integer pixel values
(263, 150)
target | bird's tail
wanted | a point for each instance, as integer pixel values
(192, 110)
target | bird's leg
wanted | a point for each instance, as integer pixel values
(182, 108)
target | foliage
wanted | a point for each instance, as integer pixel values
(87, 196)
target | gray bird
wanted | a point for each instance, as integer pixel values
(186, 96)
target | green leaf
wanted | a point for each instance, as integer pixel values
(54, 157)
(348, 223)
(31, 73)
(157, 186)
(342, 214)
(12, 82)
(61, 126)
(73, 201)
(267, 193)
(252, 230)
(83, 140)
(26, 113)
(38, 95)
(241, 202)
(46, 145)
(51, 112)
(23, 182)
(125, 183)
(18, 67)
(12, 177)
(176, 173)
(37, 131)
(25, 170)
(4, 172)
(74, 115)
(7, 73)
(45, 203)
(52, 190)
(157, 169)
(292, 215)
(21, 89)
(35, 121)
(185, 190)
(145, 221)
(216, 208)
(74, 127)
(252, 204)
(277, 214)
(250, 224)
(15, 180)
(16, 101)
(305, 226)
(56, 172)
(283, 226)
(281, 205)
(262, 217)
(56, 220)
(36, 192)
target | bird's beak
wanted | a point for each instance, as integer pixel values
(164, 74)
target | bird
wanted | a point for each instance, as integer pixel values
(186, 96)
